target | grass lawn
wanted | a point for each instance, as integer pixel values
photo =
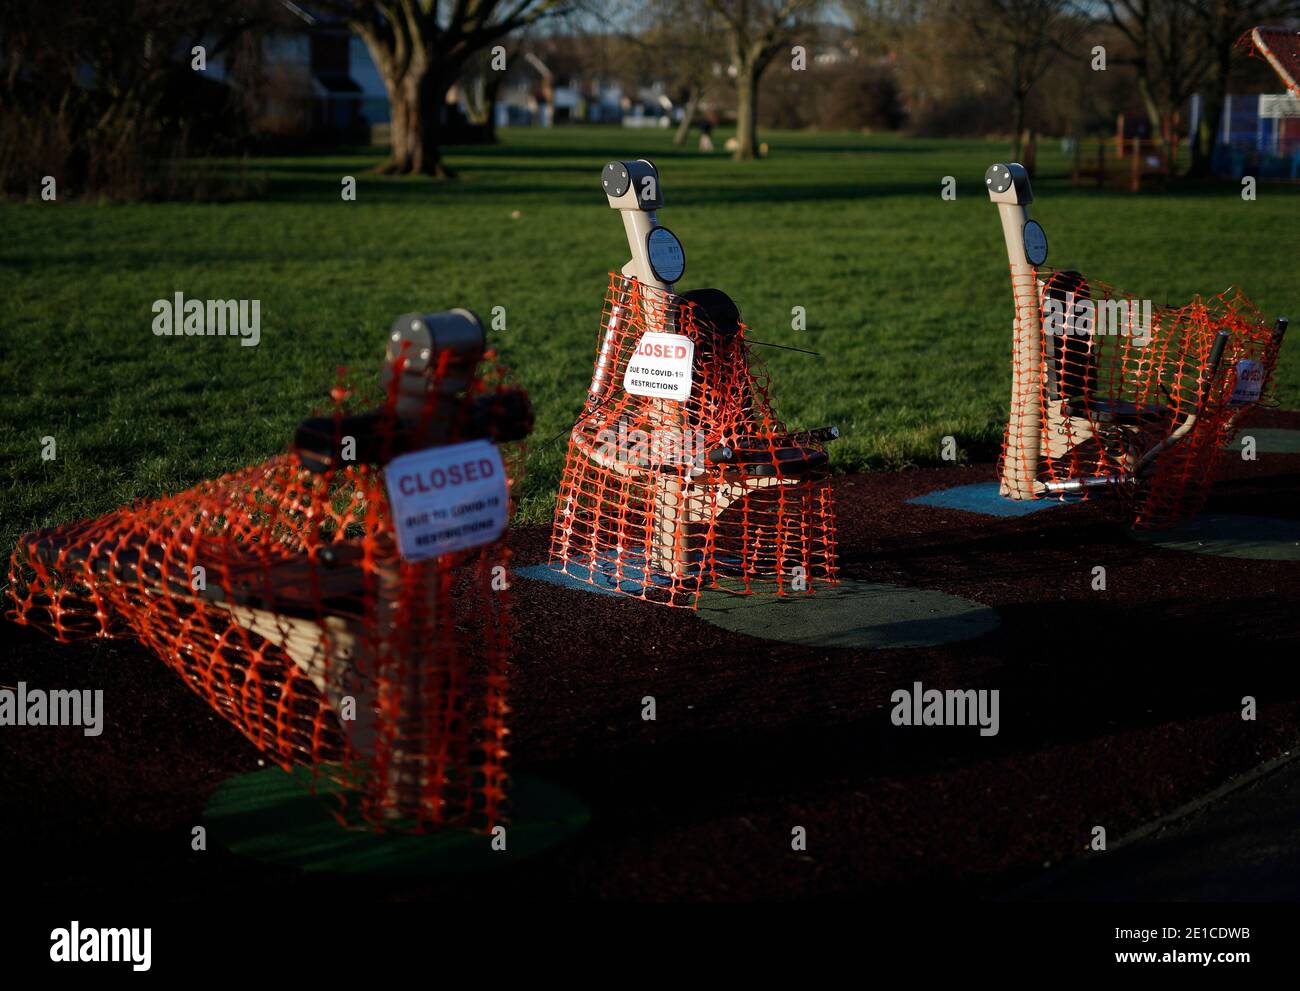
(907, 295)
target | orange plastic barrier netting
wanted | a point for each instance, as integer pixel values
(277, 593)
(1120, 396)
(1280, 47)
(662, 497)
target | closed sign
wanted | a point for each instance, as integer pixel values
(446, 499)
(661, 367)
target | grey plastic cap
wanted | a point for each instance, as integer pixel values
(632, 185)
(1008, 182)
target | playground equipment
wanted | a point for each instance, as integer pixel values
(1130, 161)
(336, 602)
(1281, 47)
(679, 475)
(1258, 134)
(1117, 394)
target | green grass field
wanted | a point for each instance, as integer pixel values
(907, 295)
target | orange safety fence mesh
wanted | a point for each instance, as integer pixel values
(663, 497)
(1118, 395)
(278, 594)
(1280, 47)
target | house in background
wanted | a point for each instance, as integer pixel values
(558, 81)
(549, 86)
(316, 80)
(308, 83)
(374, 94)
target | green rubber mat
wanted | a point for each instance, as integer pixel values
(1258, 538)
(273, 817)
(1268, 440)
(852, 614)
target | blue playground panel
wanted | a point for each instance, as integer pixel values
(606, 578)
(545, 573)
(982, 498)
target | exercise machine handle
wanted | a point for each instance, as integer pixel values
(1216, 359)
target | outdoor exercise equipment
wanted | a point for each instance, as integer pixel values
(679, 475)
(1114, 393)
(335, 603)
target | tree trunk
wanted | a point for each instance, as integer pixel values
(415, 113)
(746, 114)
(1207, 136)
(1159, 118)
(1154, 114)
(1018, 142)
(491, 90)
(480, 95)
(1207, 131)
(688, 115)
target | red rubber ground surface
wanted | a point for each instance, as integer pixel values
(1116, 707)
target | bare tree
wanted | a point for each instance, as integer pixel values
(756, 31)
(691, 55)
(480, 83)
(1166, 58)
(885, 23)
(1018, 41)
(94, 94)
(671, 41)
(420, 48)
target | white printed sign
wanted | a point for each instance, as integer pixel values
(1250, 383)
(446, 499)
(661, 367)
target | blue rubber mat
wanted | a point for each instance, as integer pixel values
(982, 498)
(544, 573)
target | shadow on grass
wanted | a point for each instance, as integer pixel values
(575, 188)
